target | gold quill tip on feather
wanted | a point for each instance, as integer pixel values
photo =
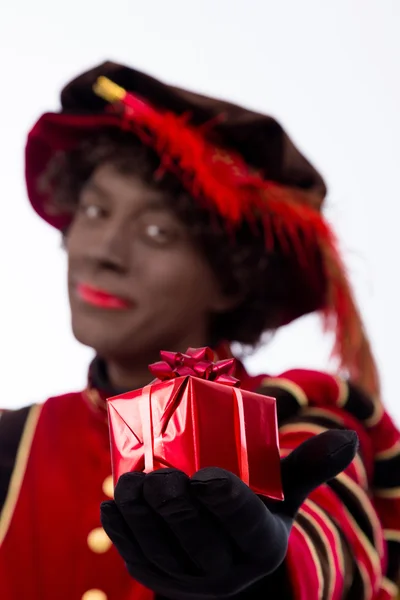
(108, 90)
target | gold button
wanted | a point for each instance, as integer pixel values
(94, 595)
(108, 486)
(98, 541)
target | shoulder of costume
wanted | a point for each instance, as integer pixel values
(309, 402)
(322, 395)
(17, 430)
(311, 388)
(14, 424)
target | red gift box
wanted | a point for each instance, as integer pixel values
(193, 416)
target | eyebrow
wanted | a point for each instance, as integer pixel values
(92, 186)
(153, 202)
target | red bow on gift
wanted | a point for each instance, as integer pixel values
(196, 362)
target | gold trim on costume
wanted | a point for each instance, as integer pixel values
(315, 558)
(331, 563)
(332, 528)
(390, 587)
(368, 547)
(389, 452)
(305, 428)
(288, 386)
(343, 391)
(363, 499)
(387, 492)
(376, 415)
(19, 470)
(391, 535)
(368, 590)
(94, 397)
(316, 411)
(361, 472)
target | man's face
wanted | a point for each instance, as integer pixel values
(137, 284)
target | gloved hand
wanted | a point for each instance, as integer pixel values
(210, 536)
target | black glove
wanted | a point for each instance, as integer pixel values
(210, 536)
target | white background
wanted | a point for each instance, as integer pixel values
(329, 70)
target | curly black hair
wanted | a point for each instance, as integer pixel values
(265, 282)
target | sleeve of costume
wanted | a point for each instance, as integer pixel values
(12, 424)
(345, 543)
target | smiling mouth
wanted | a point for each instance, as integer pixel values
(100, 298)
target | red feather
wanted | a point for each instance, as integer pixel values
(221, 179)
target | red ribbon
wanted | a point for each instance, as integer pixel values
(146, 413)
(196, 362)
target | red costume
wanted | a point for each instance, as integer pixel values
(350, 525)
(346, 539)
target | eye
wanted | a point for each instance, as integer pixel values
(91, 211)
(159, 234)
(156, 232)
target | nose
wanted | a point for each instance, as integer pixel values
(110, 249)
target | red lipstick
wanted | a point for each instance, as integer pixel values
(101, 298)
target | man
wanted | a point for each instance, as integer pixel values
(190, 222)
